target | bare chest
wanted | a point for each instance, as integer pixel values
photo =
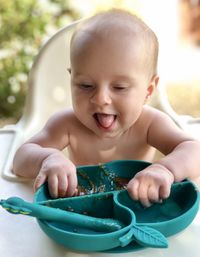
(85, 151)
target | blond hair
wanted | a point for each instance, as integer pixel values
(122, 19)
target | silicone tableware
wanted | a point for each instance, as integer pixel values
(104, 197)
(16, 205)
(104, 217)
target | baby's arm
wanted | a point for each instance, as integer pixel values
(41, 157)
(181, 161)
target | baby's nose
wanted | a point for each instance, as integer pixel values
(101, 97)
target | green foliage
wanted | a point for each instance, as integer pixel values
(24, 24)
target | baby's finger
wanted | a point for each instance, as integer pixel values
(164, 191)
(53, 186)
(132, 188)
(39, 181)
(72, 184)
(76, 192)
(62, 185)
(143, 195)
(153, 194)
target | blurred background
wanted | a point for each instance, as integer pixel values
(26, 24)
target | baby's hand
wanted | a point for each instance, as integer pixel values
(60, 173)
(151, 185)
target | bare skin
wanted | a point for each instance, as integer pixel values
(109, 121)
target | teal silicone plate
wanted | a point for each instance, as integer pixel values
(102, 195)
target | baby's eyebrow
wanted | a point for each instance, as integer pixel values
(112, 78)
(79, 74)
(124, 78)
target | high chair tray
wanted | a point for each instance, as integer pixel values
(102, 195)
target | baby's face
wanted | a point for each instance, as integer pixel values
(109, 84)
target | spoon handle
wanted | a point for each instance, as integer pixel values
(17, 205)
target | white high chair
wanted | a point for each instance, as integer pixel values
(49, 91)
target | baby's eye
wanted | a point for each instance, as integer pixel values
(85, 86)
(120, 87)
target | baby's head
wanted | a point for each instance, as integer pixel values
(113, 71)
(121, 30)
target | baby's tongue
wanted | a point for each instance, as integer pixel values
(105, 120)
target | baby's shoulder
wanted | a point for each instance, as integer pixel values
(150, 114)
(62, 119)
(156, 119)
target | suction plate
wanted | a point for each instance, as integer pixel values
(102, 194)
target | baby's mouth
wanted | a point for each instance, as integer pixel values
(105, 120)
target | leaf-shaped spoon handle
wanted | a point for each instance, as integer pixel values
(145, 236)
(17, 205)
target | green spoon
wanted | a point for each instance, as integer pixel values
(142, 234)
(17, 205)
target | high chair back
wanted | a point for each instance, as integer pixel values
(49, 91)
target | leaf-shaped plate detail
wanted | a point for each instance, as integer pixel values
(145, 236)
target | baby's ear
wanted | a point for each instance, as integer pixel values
(152, 86)
(69, 70)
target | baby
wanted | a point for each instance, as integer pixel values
(113, 72)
